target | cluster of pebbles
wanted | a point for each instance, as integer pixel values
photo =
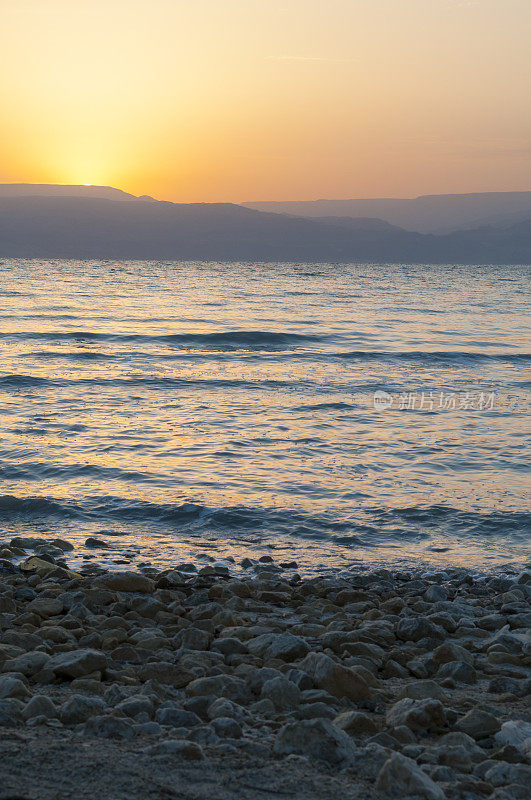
(405, 684)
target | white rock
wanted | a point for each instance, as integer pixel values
(516, 732)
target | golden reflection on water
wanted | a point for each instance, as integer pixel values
(133, 393)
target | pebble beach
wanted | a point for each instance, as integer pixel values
(257, 681)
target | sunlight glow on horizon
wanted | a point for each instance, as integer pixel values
(267, 99)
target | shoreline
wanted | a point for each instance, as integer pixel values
(196, 683)
(119, 549)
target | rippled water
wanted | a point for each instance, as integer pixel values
(185, 409)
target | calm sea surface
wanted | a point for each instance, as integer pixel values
(187, 410)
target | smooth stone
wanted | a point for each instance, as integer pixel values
(422, 690)
(133, 706)
(28, 664)
(78, 663)
(455, 756)
(183, 748)
(353, 722)
(229, 647)
(334, 678)
(177, 717)
(369, 761)
(515, 732)
(287, 647)
(45, 606)
(226, 727)
(460, 739)
(417, 714)
(478, 724)
(125, 582)
(400, 776)
(147, 729)
(221, 707)
(13, 687)
(449, 651)
(435, 594)
(40, 706)
(284, 694)
(109, 728)
(92, 541)
(413, 629)
(459, 671)
(79, 708)
(315, 710)
(317, 738)
(10, 712)
(504, 774)
(167, 673)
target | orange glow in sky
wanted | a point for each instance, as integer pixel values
(267, 99)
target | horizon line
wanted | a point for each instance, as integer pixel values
(276, 201)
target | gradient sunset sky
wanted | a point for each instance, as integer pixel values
(233, 100)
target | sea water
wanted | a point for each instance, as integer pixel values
(331, 414)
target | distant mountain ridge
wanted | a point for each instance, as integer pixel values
(426, 214)
(88, 227)
(63, 190)
(438, 214)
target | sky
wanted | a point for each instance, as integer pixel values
(246, 100)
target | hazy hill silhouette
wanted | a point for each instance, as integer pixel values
(99, 228)
(63, 190)
(426, 214)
